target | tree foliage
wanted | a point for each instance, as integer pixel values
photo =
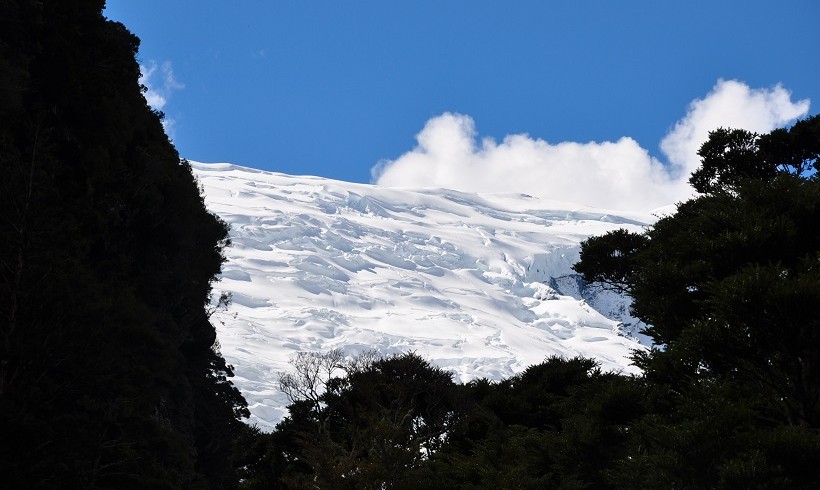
(108, 378)
(731, 157)
(367, 427)
(729, 286)
(609, 259)
(728, 157)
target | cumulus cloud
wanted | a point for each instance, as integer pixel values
(160, 83)
(731, 104)
(615, 175)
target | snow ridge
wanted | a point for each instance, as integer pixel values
(479, 284)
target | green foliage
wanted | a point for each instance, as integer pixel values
(560, 424)
(609, 259)
(794, 150)
(731, 157)
(529, 431)
(729, 285)
(380, 420)
(727, 158)
(710, 435)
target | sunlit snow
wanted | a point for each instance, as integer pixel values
(478, 284)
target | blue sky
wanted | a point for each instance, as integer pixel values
(332, 88)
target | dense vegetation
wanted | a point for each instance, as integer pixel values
(730, 286)
(108, 375)
(110, 378)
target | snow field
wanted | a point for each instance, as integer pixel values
(480, 285)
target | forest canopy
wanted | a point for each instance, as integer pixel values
(108, 373)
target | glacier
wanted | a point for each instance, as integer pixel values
(479, 284)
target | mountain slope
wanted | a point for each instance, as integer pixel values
(479, 284)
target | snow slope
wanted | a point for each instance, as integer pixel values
(479, 284)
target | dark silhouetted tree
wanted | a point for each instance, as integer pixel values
(730, 286)
(108, 378)
(367, 427)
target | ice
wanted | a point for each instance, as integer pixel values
(481, 285)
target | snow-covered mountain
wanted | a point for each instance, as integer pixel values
(479, 284)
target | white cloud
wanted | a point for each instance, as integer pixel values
(154, 97)
(160, 83)
(730, 104)
(615, 175)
